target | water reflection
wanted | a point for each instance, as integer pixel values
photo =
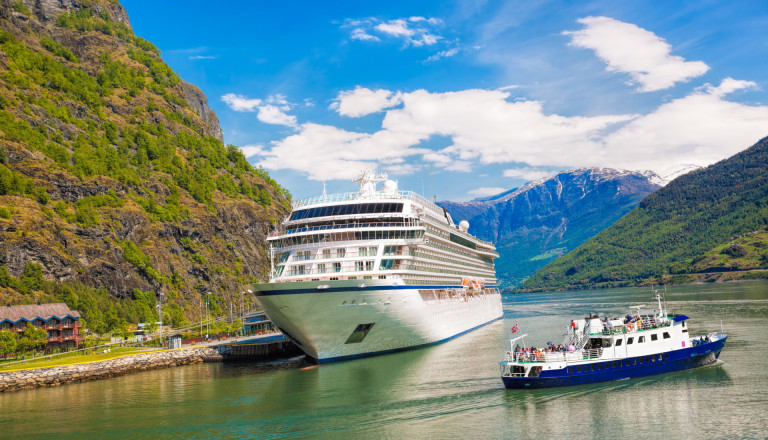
(446, 391)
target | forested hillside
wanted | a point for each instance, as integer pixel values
(678, 230)
(114, 181)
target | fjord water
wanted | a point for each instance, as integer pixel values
(450, 390)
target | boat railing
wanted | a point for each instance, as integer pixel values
(414, 224)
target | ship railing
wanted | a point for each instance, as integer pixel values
(592, 353)
(348, 254)
(414, 224)
(536, 356)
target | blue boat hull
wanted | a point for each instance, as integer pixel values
(671, 361)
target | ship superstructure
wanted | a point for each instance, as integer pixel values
(374, 271)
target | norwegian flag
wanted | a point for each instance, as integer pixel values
(515, 328)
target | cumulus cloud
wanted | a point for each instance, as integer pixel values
(486, 191)
(527, 173)
(443, 54)
(240, 103)
(484, 127)
(251, 150)
(627, 48)
(363, 101)
(270, 111)
(701, 128)
(412, 31)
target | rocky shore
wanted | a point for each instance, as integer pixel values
(55, 376)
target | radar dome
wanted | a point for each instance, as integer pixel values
(389, 186)
(464, 226)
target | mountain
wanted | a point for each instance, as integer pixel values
(542, 220)
(702, 221)
(114, 181)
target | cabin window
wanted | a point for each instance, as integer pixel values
(592, 367)
(630, 341)
(369, 265)
(578, 369)
(570, 370)
(326, 253)
(619, 342)
(337, 267)
(615, 364)
(634, 361)
(358, 266)
(626, 362)
(340, 253)
(607, 342)
(647, 359)
(321, 268)
(666, 335)
(654, 337)
(599, 366)
(659, 358)
(666, 355)
(640, 360)
(641, 339)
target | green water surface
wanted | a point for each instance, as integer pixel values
(451, 390)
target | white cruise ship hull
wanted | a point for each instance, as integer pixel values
(345, 319)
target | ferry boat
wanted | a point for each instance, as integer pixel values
(376, 271)
(599, 349)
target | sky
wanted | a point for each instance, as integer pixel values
(466, 99)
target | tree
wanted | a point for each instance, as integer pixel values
(8, 343)
(32, 339)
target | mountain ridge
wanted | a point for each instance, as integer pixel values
(540, 220)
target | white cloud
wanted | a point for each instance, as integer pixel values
(486, 191)
(701, 128)
(240, 103)
(325, 153)
(527, 173)
(363, 101)
(270, 114)
(485, 127)
(444, 54)
(251, 150)
(413, 31)
(202, 57)
(270, 111)
(395, 28)
(360, 34)
(627, 48)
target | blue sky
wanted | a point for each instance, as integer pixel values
(467, 99)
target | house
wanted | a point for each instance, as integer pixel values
(60, 322)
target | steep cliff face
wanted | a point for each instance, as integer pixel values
(534, 224)
(113, 174)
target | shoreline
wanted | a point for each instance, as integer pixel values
(32, 378)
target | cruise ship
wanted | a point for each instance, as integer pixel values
(376, 271)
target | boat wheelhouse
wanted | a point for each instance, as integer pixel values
(413, 276)
(598, 349)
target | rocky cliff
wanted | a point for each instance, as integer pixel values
(540, 221)
(113, 175)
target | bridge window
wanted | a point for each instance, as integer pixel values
(619, 342)
(654, 337)
(359, 208)
(630, 341)
(666, 335)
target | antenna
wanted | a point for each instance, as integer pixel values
(324, 193)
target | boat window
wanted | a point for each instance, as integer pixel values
(626, 362)
(659, 357)
(666, 355)
(640, 359)
(599, 366)
(592, 367)
(630, 341)
(647, 359)
(666, 335)
(615, 364)
(570, 370)
(634, 361)
(654, 337)
(641, 339)
(607, 342)
(360, 208)
(619, 342)
(578, 369)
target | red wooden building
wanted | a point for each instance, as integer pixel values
(60, 322)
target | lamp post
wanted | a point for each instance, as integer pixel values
(160, 313)
(208, 316)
